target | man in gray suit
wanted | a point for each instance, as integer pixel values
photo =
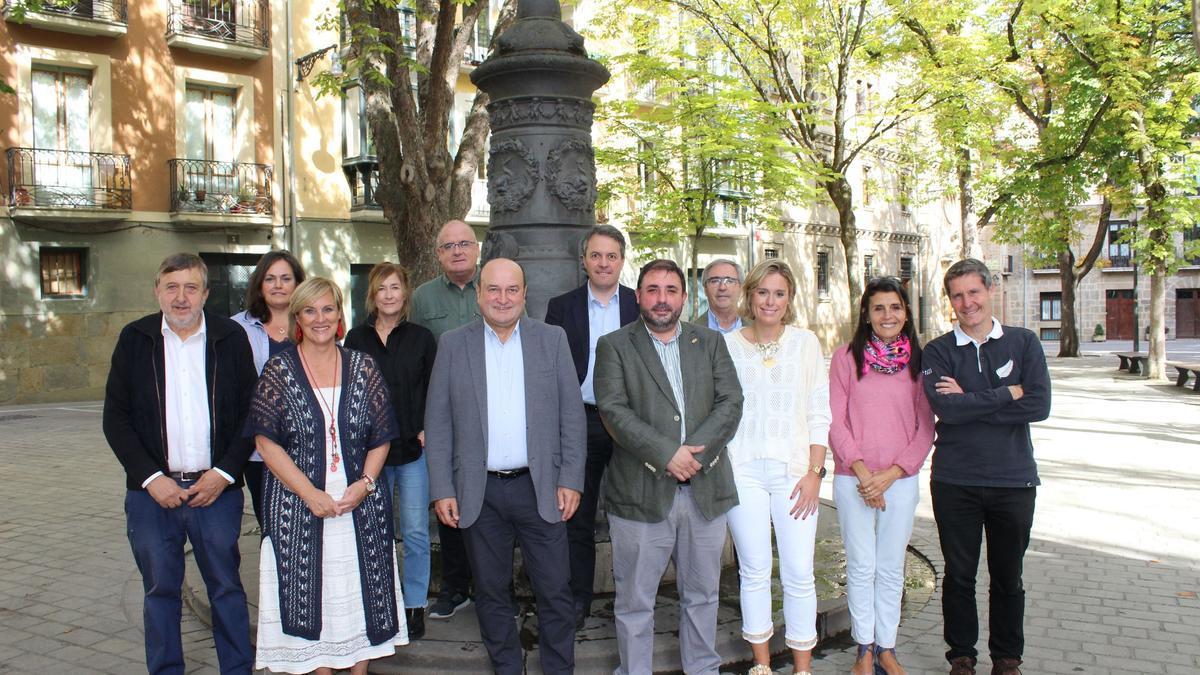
(669, 394)
(506, 446)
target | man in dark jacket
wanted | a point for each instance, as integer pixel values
(176, 401)
(598, 307)
(987, 383)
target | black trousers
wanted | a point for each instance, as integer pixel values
(456, 571)
(964, 514)
(581, 529)
(510, 515)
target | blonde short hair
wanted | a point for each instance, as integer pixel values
(311, 289)
(379, 274)
(755, 278)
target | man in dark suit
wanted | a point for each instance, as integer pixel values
(505, 444)
(177, 395)
(598, 307)
(670, 396)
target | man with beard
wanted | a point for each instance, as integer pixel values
(669, 394)
(177, 396)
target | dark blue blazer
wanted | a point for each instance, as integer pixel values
(570, 311)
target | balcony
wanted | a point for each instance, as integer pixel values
(235, 28)
(105, 18)
(1119, 261)
(68, 185)
(206, 192)
(362, 176)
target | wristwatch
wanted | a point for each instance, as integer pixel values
(818, 469)
(370, 484)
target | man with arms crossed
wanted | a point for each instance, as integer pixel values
(444, 303)
(987, 383)
(504, 435)
(176, 401)
(598, 307)
(670, 395)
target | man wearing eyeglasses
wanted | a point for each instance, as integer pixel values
(441, 304)
(722, 280)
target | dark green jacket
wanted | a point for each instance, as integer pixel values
(635, 400)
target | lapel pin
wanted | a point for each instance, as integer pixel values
(695, 340)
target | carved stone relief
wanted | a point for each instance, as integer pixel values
(571, 174)
(513, 175)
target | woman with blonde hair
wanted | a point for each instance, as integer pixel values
(323, 423)
(778, 457)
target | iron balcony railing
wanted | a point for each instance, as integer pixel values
(1120, 260)
(203, 186)
(245, 22)
(68, 179)
(113, 11)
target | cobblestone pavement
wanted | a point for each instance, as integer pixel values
(1112, 575)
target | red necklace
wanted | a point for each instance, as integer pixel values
(329, 407)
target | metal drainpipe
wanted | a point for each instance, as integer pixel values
(289, 150)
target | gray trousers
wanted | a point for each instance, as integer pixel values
(640, 553)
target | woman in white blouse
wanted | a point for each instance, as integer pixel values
(778, 457)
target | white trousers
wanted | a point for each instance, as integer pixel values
(875, 546)
(764, 495)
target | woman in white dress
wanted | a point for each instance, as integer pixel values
(778, 457)
(323, 423)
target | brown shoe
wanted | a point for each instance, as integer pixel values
(962, 665)
(1006, 666)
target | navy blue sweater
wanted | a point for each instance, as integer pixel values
(983, 434)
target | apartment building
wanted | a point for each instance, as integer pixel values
(1111, 296)
(135, 132)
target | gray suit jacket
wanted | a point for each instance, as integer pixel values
(456, 443)
(639, 409)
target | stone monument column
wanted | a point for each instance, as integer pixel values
(541, 168)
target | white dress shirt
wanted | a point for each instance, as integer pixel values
(189, 440)
(506, 440)
(602, 320)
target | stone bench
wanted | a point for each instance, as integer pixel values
(1184, 370)
(1135, 362)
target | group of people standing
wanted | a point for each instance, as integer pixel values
(511, 427)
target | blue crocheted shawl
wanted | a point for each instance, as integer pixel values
(285, 410)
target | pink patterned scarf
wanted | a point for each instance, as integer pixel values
(886, 357)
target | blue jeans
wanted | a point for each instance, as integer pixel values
(157, 535)
(411, 480)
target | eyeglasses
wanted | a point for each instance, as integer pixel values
(454, 245)
(722, 281)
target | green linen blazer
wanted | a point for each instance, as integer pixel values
(639, 410)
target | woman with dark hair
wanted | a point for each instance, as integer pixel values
(265, 321)
(404, 352)
(881, 434)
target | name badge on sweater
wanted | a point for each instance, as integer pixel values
(1004, 370)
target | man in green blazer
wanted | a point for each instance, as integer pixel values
(670, 396)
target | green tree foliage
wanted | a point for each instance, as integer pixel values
(839, 72)
(692, 148)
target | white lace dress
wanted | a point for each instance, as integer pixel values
(343, 619)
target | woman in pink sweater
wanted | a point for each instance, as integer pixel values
(882, 432)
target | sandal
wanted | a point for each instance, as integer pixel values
(759, 669)
(864, 651)
(879, 669)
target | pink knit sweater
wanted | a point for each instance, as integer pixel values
(880, 419)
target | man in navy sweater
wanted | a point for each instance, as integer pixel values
(987, 383)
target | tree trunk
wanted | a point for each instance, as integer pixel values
(1068, 332)
(840, 192)
(1158, 315)
(971, 248)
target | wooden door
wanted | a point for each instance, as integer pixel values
(1118, 307)
(1187, 312)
